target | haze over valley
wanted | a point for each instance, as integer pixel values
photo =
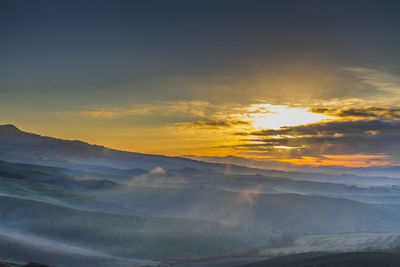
(199, 133)
(89, 203)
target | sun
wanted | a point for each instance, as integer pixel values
(267, 116)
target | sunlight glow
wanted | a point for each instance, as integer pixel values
(266, 116)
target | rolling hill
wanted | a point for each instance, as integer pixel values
(353, 259)
(88, 203)
(20, 146)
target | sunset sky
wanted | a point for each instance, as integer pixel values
(304, 82)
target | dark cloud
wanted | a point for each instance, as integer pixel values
(359, 127)
(364, 112)
(63, 53)
(329, 138)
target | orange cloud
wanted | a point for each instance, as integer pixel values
(352, 160)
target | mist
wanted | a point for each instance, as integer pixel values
(176, 211)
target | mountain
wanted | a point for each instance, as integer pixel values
(356, 176)
(246, 162)
(20, 146)
(280, 166)
(88, 203)
(389, 171)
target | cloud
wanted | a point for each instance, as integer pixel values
(380, 80)
(182, 114)
(332, 128)
(375, 138)
(214, 124)
(169, 108)
(118, 112)
(388, 113)
(100, 113)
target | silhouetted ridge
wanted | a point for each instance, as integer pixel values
(20, 146)
(9, 128)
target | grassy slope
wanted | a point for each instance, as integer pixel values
(273, 212)
(42, 192)
(129, 236)
(351, 259)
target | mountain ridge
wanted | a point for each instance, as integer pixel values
(12, 138)
(24, 147)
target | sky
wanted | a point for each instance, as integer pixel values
(304, 82)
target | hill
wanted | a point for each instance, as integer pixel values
(20, 146)
(251, 201)
(125, 236)
(24, 147)
(351, 259)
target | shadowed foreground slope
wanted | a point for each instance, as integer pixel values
(352, 259)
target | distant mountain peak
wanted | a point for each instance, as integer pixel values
(9, 128)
